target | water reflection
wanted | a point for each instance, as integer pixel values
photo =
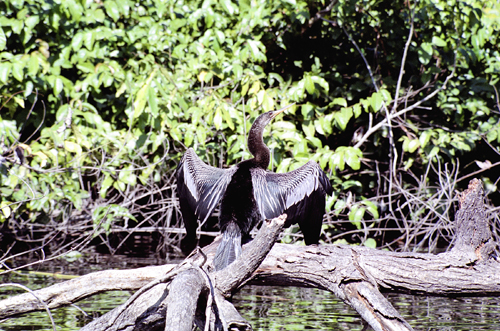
(68, 318)
(276, 308)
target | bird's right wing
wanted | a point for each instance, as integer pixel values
(201, 186)
(276, 192)
(299, 193)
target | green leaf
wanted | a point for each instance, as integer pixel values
(58, 86)
(491, 135)
(413, 145)
(31, 21)
(318, 127)
(309, 85)
(408, 164)
(75, 9)
(315, 141)
(376, 101)
(308, 128)
(324, 85)
(33, 65)
(218, 119)
(476, 42)
(339, 206)
(254, 48)
(342, 117)
(356, 215)
(18, 70)
(338, 101)
(106, 184)
(127, 177)
(230, 7)
(284, 165)
(337, 159)
(371, 208)
(228, 119)
(274, 76)
(326, 123)
(152, 101)
(5, 208)
(3, 39)
(28, 89)
(77, 41)
(438, 41)
(425, 53)
(244, 88)
(88, 39)
(307, 110)
(120, 185)
(434, 151)
(19, 101)
(425, 138)
(352, 157)
(255, 88)
(370, 242)
(5, 71)
(112, 10)
(356, 109)
(324, 157)
(265, 100)
(188, 138)
(140, 100)
(73, 147)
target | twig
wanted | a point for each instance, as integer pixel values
(319, 14)
(403, 61)
(383, 122)
(472, 174)
(40, 300)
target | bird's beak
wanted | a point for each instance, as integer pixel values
(279, 111)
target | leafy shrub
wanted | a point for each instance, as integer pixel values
(101, 99)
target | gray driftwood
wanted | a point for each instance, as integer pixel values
(178, 296)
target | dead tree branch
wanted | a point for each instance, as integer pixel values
(355, 274)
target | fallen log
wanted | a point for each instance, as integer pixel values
(355, 274)
(169, 309)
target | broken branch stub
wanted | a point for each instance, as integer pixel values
(230, 278)
(473, 237)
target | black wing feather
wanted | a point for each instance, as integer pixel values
(299, 193)
(200, 188)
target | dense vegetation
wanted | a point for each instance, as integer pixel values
(397, 101)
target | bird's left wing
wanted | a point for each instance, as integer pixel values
(299, 193)
(201, 186)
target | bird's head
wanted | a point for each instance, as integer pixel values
(255, 140)
(265, 118)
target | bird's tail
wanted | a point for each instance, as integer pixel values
(229, 248)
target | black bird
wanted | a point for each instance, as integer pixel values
(249, 193)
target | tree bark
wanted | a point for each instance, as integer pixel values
(82, 287)
(355, 274)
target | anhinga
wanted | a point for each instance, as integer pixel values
(249, 193)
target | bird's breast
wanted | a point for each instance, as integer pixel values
(238, 203)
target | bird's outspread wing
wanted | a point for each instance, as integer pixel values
(200, 185)
(299, 193)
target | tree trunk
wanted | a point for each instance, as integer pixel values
(176, 297)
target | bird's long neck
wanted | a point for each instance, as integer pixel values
(256, 144)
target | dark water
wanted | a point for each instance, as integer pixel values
(269, 308)
(273, 308)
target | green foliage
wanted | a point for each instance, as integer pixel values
(106, 96)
